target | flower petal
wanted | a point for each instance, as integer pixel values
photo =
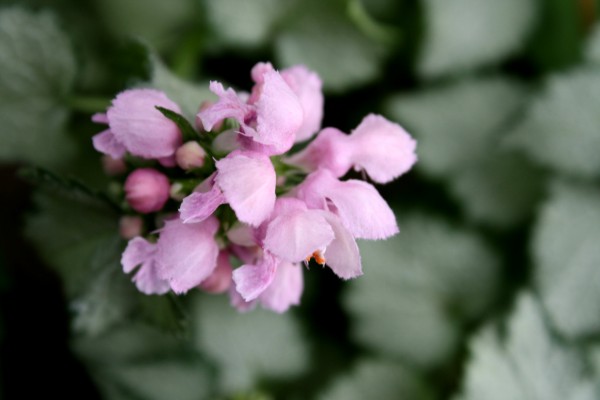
(198, 206)
(331, 150)
(279, 113)
(342, 254)
(220, 280)
(295, 235)
(252, 279)
(148, 282)
(306, 84)
(382, 148)
(137, 252)
(286, 288)
(230, 105)
(106, 143)
(358, 204)
(238, 302)
(187, 253)
(248, 182)
(140, 127)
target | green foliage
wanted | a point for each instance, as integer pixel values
(260, 344)
(461, 35)
(137, 362)
(560, 130)
(377, 380)
(418, 289)
(566, 255)
(528, 363)
(495, 185)
(322, 37)
(38, 72)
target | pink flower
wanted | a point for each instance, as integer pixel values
(130, 226)
(271, 117)
(147, 190)
(141, 252)
(190, 156)
(220, 279)
(245, 180)
(377, 146)
(186, 254)
(137, 127)
(360, 208)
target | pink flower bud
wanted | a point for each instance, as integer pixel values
(147, 190)
(190, 156)
(220, 279)
(130, 226)
(113, 166)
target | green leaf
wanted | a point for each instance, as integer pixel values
(567, 258)
(323, 38)
(373, 379)
(189, 96)
(245, 24)
(38, 71)
(528, 364)
(560, 130)
(184, 126)
(137, 362)
(592, 47)
(164, 312)
(461, 35)
(258, 344)
(457, 124)
(501, 191)
(419, 289)
(459, 128)
(155, 21)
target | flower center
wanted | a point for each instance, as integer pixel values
(318, 256)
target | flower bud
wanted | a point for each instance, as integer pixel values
(190, 156)
(147, 190)
(113, 166)
(220, 279)
(130, 226)
(176, 192)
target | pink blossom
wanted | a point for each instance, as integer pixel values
(270, 117)
(379, 147)
(187, 253)
(147, 190)
(130, 226)
(141, 252)
(359, 206)
(136, 126)
(245, 180)
(220, 279)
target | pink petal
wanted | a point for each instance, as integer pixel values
(306, 84)
(137, 252)
(226, 142)
(331, 150)
(252, 279)
(285, 290)
(382, 148)
(106, 143)
(141, 252)
(237, 301)
(358, 204)
(140, 127)
(100, 118)
(220, 280)
(187, 253)
(242, 235)
(295, 235)
(198, 206)
(248, 182)
(342, 254)
(279, 113)
(230, 105)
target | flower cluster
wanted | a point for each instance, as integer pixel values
(232, 192)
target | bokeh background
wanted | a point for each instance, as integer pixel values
(491, 290)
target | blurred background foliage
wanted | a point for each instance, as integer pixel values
(492, 289)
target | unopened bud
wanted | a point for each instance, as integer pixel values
(176, 192)
(189, 156)
(147, 190)
(113, 166)
(130, 226)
